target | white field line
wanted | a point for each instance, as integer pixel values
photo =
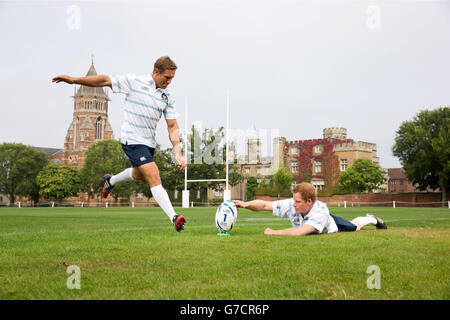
(432, 219)
(272, 220)
(212, 226)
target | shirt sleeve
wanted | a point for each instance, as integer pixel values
(317, 218)
(122, 83)
(282, 208)
(170, 112)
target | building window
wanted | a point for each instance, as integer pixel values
(247, 170)
(317, 166)
(344, 164)
(88, 105)
(318, 149)
(98, 105)
(218, 193)
(294, 167)
(98, 129)
(294, 150)
(318, 184)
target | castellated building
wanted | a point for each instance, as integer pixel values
(321, 160)
(89, 124)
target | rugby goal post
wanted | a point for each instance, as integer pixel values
(185, 192)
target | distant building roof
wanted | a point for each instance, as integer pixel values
(396, 173)
(50, 152)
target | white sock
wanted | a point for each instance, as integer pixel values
(126, 174)
(162, 198)
(364, 221)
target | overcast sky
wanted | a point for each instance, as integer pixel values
(292, 66)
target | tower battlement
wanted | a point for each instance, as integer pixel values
(335, 133)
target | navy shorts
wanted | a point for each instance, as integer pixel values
(343, 225)
(138, 154)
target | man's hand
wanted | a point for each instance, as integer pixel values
(268, 231)
(63, 78)
(180, 160)
(240, 204)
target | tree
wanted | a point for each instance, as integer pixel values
(19, 166)
(103, 157)
(362, 176)
(252, 183)
(58, 181)
(281, 180)
(423, 147)
(206, 160)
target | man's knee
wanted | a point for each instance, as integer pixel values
(357, 224)
(151, 173)
(137, 175)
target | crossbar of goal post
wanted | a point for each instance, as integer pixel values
(227, 191)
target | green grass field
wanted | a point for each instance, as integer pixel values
(126, 253)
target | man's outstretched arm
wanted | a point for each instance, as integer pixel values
(254, 205)
(89, 81)
(297, 231)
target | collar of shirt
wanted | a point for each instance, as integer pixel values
(152, 83)
(314, 207)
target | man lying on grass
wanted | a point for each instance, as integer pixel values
(307, 214)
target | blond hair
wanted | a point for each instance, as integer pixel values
(306, 190)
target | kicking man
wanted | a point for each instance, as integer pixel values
(146, 101)
(307, 214)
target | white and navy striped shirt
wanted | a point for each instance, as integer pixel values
(319, 217)
(144, 107)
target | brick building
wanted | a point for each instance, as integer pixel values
(89, 124)
(322, 160)
(398, 182)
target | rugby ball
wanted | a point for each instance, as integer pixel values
(226, 216)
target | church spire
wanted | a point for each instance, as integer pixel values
(90, 121)
(91, 91)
